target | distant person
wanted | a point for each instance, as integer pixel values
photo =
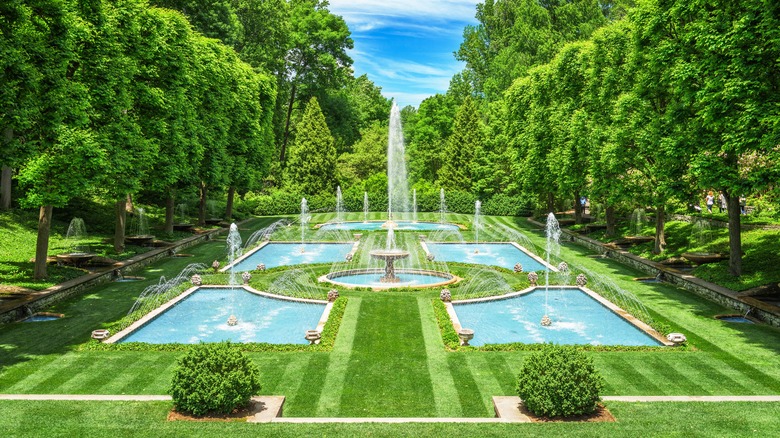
(709, 201)
(742, 205)
(722, 204)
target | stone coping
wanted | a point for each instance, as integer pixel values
(515, 244)
(639, 324)
(158, 311)
(34, 301)
(447, 278)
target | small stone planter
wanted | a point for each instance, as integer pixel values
(313, 336)
(333, 295)
(533, 277)
(196, 280)
(246, 276)
(445, 295)
(465, 336)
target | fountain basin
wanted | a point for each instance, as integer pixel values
(75, 258)
(273, 254)
(200, 314)
(735, 318)
(700, 258)
(381, 225)
(578, 316)
(43, 316)
(413, 278)
(183, 227)
(139, 239)
(504, 255)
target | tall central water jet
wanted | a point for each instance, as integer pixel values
(397, 186)
(234, 250)
(304, 221)
(553, 231)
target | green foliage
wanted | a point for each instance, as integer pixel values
(214, 378)
(311, 164)
(559, 381)
(505, 205)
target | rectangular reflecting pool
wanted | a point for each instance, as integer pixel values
(202, 317)
(503, 255)
(577, 318)
(285, 254)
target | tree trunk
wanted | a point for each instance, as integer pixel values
(202, 205)
(609, 213)
(287, 125)
(577, 208)
(550, 202)
(735, 234)
(169, 211)
(660, 236)
(120, 211)
(229, 207)
(42, 245)
(129, 207)
(5, 188)
(5, 175)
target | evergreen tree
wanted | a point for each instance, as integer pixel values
(458, 169)
(311, 165)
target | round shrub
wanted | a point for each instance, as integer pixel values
(214, 378)
(559, 381)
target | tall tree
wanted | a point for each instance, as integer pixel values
(317, 57)
(459, 167)
(311, 167)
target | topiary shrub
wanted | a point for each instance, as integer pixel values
(214, 378)
(559, 381)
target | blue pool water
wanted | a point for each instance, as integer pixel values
(202, 317)
(400, 226)
(577, 319)
(504, 255)
(735, 318)
(40, 318)
(286, 254)
(405, 280)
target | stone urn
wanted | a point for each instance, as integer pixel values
(313, 336)
(518, 268)
(445, 295)
(333, 295)
(430, 257)
(348, 257)
(465, 336)
(215, 265)
(582, 280)
(196, 280)
(563, 267)
(246, 276)
(533, 277)
(546, 321)
(100, 334)
(260, 267)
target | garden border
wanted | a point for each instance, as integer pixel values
(764, 312)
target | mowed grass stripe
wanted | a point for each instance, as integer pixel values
(333, 386)
(715, 373)
(630, 377)
(292, 380)
(468, 390)
(153, 374)
(486, 381)
(499, 367)
(445, 396)
(60, 372)
(19, 378)
(306, 399)
(387, 375)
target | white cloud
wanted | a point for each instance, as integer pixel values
(429, 10)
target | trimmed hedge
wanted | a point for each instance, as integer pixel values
(559, 381)
(214, 378)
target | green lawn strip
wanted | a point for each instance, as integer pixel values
(630, 377)
(336, 375)
(498, 364)
(445, 395)
(468, 390)
(387, 375)
(117, 419)
(487, 382)
(305, 400)
(290, 382)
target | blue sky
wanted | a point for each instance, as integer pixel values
(406, 46)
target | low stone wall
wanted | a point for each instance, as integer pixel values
(721, 224)
(713, 292)
(37, 301)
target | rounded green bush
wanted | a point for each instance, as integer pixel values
(559, 381)
(214, 378)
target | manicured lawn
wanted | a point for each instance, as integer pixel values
(389, 361)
